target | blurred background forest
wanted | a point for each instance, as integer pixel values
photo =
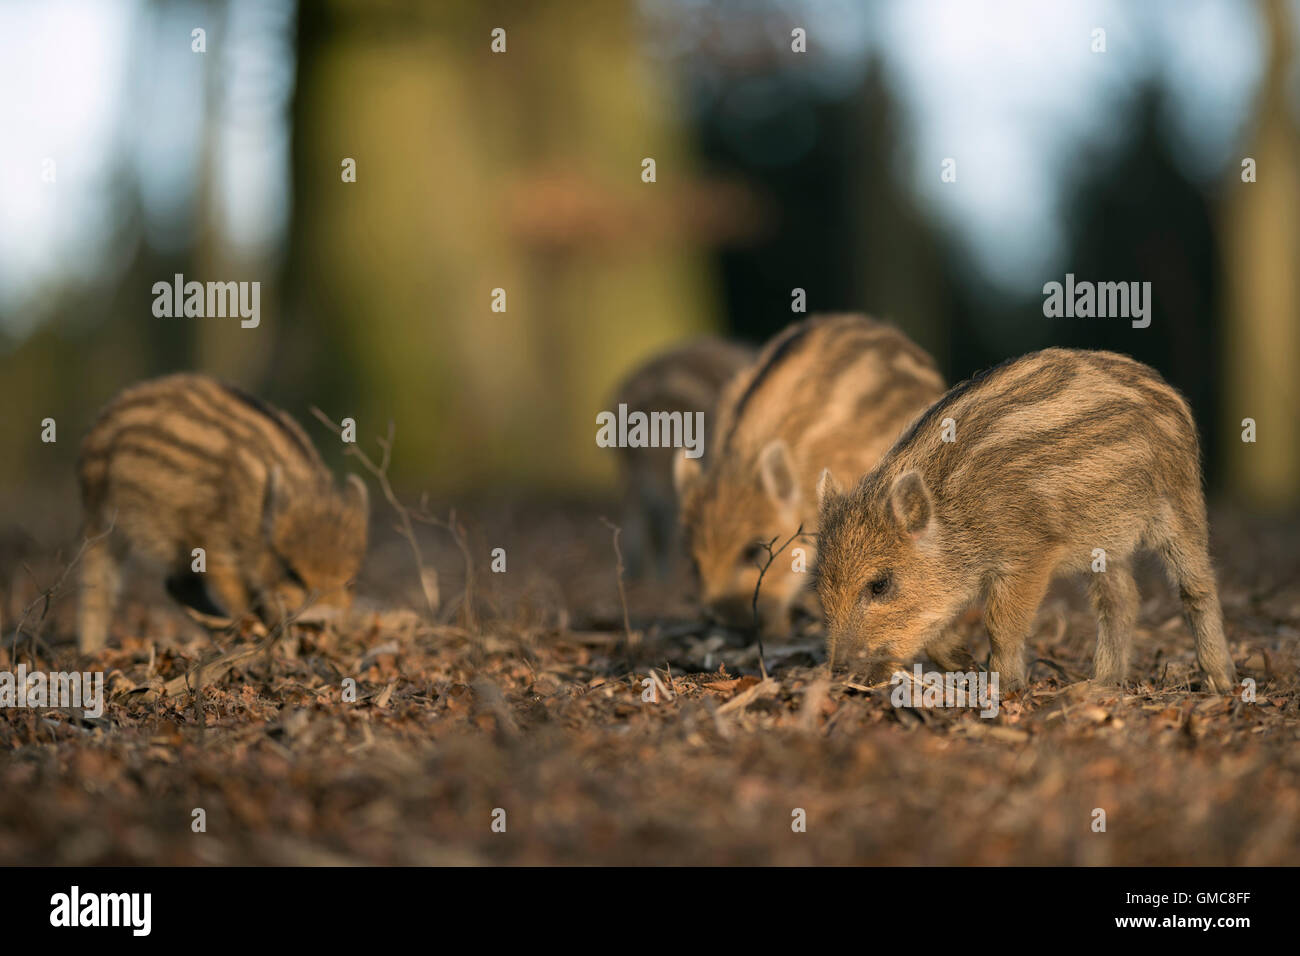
(128, 157)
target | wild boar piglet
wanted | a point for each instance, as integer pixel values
(186, 462)
(1062, 460)
(833, 391)
(671, 385)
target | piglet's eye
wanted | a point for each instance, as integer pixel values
(878, 588)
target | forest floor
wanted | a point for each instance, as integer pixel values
(531, 715)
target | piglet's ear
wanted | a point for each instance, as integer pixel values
(910, 504)
(686, 472)
(272, 498)
(828, 489)
(777, 473)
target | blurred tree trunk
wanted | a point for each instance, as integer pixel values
(900, 259)
(478, 171)
(1262, 334)
(221, 346)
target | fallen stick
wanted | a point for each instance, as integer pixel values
(764, 688)
(201, 675)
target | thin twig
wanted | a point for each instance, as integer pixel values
(46, 598)
(762, 570)
(453, 526)
(380, 472)
(408, 517)
(622, 592)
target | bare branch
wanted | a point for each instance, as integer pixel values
(452, 526)
(622, 592)
(405, 527)
(762, 571)
(47, 596)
